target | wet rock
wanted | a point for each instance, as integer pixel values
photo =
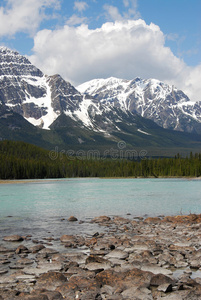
(3, 271)
(78, 285)
(136, 293)
(50, 280)
(4, 261)
(98, 267)
(46, 266)
(155, 269)
(67, 238)
(160, 279)
(51, 295)
(36, 297)
(3, 249)
(46, 252)
(124, 280)
(195, 264)
(165, 288)
(26, 278)
(21, 249)
(72, 219)
(13, 238)
(25, 261)
(36, 248)
(101, 219)
(79, 258)
(120, 221)
(94, 258)
(117, 254)
(152, 220)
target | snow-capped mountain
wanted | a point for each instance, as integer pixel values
(164, 104)
(41, 99)
(100, 112)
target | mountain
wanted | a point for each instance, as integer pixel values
(97, 116)
(164, 104)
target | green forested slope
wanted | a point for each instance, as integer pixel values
(19, 160)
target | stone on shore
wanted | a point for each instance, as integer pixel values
(155, 258)
(101, 219)
(72, 219)
(13, 238)
(50, 281)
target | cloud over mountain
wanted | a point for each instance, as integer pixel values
(125, 49)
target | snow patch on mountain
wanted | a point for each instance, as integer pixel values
(164, 104)
(83, 112)
(141, 131)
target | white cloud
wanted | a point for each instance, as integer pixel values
(23, 15)
(75, 20)
(172, 37)
(112, 12)
(191, 82)
(125, 49)
(80, 6)
(132, 9)
(126, 3)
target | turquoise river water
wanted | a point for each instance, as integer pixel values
(42, 207)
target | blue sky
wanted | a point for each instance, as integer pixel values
(82, 40)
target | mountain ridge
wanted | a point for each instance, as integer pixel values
(164, 104)
(72, 118)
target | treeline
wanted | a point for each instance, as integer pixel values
(19, 160)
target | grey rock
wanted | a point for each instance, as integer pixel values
(165, 288)
(155, 269)
(137, 294)
(117, 254)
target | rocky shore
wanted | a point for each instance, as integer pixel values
(128, 258)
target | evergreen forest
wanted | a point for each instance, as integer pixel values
(20, 160)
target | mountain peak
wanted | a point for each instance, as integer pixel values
(164, 104)
(99, 105)
(14, 64)
(6, 50)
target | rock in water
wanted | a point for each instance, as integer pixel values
(13, 238)
(72, 219)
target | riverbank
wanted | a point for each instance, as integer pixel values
(127, 258)
(15, 181)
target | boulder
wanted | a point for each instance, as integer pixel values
(21, 249)
(119, 254)
(51, 280)
(67, 238)
(78, 285)
(160, 279)
(155, 269)
(135, 293)
(36, 248)
(51, 295)
(13, 238)
(124, 280)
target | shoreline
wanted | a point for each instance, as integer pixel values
(152, 258)
(15, 181)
